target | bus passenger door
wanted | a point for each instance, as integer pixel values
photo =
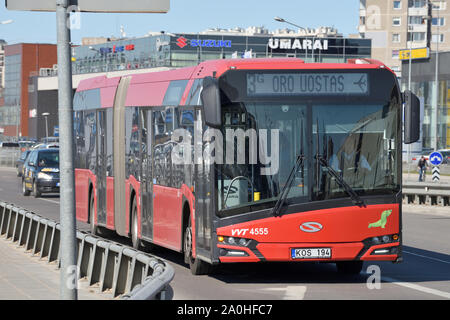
(147, 176)
(204, 202)
(101, 168)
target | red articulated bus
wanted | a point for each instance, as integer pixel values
(246, 160)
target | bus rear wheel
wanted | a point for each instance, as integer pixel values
(93, 227)
(134, 227)
(349, 267)
(197, 266)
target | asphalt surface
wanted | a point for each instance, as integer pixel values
(424, 273)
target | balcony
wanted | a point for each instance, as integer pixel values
(418, 11)
(417, 28)
(416, 44)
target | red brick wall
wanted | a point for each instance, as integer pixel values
(34, 57)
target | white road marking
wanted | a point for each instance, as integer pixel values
(53, 201)
(434, 259)
(417, 287)
(291, 292)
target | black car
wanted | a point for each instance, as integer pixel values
(41, 172)
(21, 161)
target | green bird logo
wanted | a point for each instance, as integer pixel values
(383, 220)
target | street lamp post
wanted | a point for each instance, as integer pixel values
(437, 81)
(435, 114)
(297, 26)
(46, 114)
(285, 21)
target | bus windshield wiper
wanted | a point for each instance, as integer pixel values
(287, 187)
(353, 195)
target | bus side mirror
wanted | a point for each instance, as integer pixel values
(412, 117)
(211, 102)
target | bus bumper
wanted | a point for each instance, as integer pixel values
(282, 252)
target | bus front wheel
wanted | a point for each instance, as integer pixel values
(197, 266)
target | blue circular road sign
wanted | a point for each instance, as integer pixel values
(436, 158)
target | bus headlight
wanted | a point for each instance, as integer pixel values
(232, 241)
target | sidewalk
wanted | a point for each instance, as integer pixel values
(24, 277)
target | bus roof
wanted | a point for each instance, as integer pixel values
(219, 67)
(149, 89)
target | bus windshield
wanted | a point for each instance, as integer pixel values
(265, 141)
(358, 138)
(359, 143)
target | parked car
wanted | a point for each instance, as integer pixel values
(41, 172)
(49, 140)
(446, 154)
(45, 146)
(25, 145)
(9, 145)
(21, 161)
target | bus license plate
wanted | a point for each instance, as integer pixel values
(311, 253)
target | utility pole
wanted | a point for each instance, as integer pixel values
(436, 133)
(68, 242)
(68, 254)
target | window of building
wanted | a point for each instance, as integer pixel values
(441, 5)
(396, 21)
(397, 5)
(438, 21)
(395, 37)
(416, 3)
(416, 36)
(437, 38)
(415, 20)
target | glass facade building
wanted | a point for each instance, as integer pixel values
(435, 113)
(181, 50)
(10, 112)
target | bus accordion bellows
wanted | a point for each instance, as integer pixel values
(247, 160)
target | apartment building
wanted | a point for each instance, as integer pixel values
(2, 63)
(394, 25)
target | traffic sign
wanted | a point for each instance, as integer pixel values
(436, 174)
(419, 53)
(436, 158)
(157, 6)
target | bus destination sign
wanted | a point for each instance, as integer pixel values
(306, 84)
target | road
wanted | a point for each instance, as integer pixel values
(424, 274)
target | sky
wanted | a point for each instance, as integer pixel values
(186, 16)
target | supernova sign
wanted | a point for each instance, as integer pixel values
(182, 42)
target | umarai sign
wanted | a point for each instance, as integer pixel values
(298, 44)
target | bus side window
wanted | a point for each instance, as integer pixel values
(187, 123)
(90, 140)
(161, 138)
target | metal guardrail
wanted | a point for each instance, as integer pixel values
(118, 270)
(426, 193)
(8, 157)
